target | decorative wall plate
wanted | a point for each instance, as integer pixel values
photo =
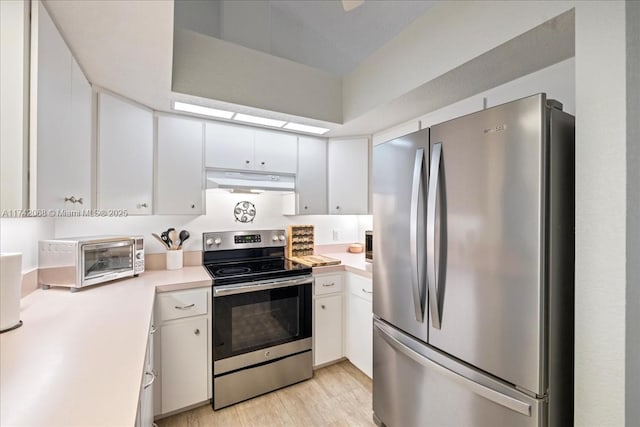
(244, 211)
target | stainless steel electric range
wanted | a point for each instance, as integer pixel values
(261, 314)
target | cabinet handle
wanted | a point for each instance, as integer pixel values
(73, 199)
(143, 205)
(184, 307)
(366, 291)
(322, 306)
(197, 331)
(327, 285)
(153, 329)
(153, 378)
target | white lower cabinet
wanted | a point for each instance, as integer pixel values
(328, 315)
(184, 360)
(360, 323)
(146, 400)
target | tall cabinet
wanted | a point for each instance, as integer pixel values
(60, 130)
(311, 179)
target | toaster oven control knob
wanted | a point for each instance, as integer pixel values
(139, 255)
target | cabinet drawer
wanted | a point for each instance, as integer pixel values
(360, 286)
(328, 284)
(176, 305)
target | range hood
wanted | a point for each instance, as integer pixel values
(246, 181)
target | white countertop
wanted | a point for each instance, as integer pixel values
(353, 263)
(78, 359)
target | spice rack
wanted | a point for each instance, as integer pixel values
(300, 240)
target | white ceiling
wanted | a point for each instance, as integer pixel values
(320, 34)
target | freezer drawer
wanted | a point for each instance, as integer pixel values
(418, 386)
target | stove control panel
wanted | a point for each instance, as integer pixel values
(226, 240)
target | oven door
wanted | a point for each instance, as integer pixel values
(103, 261)
(260, 322)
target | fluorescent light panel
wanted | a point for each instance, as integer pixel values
(305, 128)
(199, 109)
(259, 120)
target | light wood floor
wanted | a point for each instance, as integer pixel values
(337, 395)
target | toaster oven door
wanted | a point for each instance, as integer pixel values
(105, 261)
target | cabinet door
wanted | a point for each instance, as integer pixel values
(275, 152)
(52, 114)
(79, 160)
(179, 172)
(125, 155)
(327, 332)
(311, 180)
(228, 146)
(360, 333)
(349, 176)
(184, 363)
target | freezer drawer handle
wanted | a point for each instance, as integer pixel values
(492, 395)
(416, 266)
(436, 278)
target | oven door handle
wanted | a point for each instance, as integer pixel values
(225, 290)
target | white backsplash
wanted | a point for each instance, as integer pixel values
(219, 217)
(22, 235)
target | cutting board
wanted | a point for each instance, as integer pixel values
(315, 260)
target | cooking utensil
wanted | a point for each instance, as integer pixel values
(160, 239)
(165, 237)
(184, 235)
(173, 236)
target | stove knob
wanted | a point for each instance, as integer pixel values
(274, 238)
(281, 237)
(209, 242)
(217, 241)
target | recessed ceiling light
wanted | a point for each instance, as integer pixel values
(199, 109)
(259, 120)
(305, 128)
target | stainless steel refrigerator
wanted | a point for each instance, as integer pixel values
(473, 270)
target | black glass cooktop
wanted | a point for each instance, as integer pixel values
(249, 270)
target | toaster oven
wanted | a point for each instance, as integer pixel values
(84, 261)
(368, 246)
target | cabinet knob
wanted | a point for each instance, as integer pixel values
(262, 163)
(306, 207)
(143, 205)
(322, 306)
(247, 161)
(197, 332)
(337, 207)
(193, 206)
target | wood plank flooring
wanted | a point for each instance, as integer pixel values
(337, 395)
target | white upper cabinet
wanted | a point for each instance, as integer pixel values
(125, 155)
(275, 151)
(228, 146)
(180, 166)
(245, 148)
(61, 122)
(311, 179)
(348, 173)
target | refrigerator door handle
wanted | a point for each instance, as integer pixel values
(479, 389)
(436, 278)
(415, 266)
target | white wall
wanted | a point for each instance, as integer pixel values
(22, 235)
(219, 217)
(600, 214)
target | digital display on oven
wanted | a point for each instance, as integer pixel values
(247, 238)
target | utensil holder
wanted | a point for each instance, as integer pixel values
(174, 259)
